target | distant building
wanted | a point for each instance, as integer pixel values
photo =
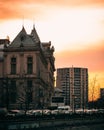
(74, 84)
(57, 98)
(26, 71)
(57, 92)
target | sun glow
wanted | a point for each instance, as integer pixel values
(73, 27)
(75, 30)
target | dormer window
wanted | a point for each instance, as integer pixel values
(22, 38)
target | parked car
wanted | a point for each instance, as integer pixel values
(29, 112)
(55, 112)
(46, 112)
(79, 111)
(16, 113)
(36, 112)
(65, 110)
(100, 110)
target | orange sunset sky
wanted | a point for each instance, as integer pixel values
(75, 28)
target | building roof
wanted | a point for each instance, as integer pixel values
(25, 40)
(58, 89)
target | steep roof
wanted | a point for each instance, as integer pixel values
(25, 40)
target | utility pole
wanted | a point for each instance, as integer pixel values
(73, 93)
(66, 90)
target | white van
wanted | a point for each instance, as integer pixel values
(65, 109)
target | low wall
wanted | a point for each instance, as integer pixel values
(82, 127)
(91, 122)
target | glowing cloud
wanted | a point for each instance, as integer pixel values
(92, 58)
(17, 8)
(75, 27)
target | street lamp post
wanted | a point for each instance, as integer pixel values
(73, 104)
(66, 91)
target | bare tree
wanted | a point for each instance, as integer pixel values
(94, 89)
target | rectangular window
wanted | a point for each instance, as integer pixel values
(13, 97)
(13, 65)
(57, 99)
(29, 65)
(29, 91)
(12, 91)
(29, 84)
(13, 85)
(29, 97)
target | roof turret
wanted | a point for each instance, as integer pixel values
(35, 35)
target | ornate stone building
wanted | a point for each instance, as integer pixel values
(26, 72)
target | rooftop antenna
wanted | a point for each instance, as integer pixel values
(23, 21)
(33, 23)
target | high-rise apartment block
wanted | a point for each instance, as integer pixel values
(74, 83)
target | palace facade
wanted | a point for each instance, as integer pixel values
(26, 72)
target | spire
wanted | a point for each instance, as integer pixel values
(33, 25)
(35, 35)
(23, 29)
